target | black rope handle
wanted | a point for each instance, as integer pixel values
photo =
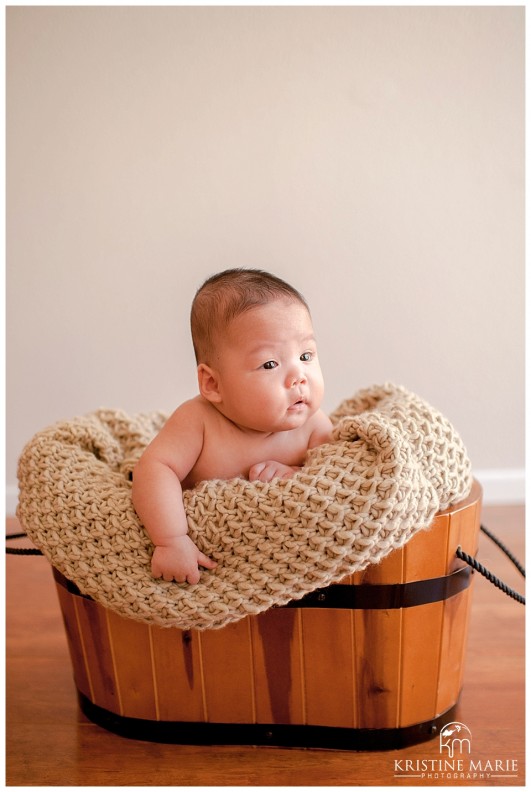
(503, 549)
(21, 550)
(487, 574)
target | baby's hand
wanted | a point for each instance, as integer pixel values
(265, 471)
(180, 561)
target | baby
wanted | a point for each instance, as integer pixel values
(256, 415)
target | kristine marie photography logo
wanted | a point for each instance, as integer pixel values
(456, 760)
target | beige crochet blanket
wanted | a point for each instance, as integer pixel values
(393, 463)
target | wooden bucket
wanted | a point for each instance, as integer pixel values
(375, 662)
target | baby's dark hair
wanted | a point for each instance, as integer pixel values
(228, 294)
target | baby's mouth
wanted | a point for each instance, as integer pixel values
(299, 403)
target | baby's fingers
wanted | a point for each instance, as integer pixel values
(193, 577)
(156, 570)
(256, 471)
(206, 562)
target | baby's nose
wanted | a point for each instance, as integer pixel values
(295, 377)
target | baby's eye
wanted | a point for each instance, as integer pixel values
(271, 364)
(306, 356)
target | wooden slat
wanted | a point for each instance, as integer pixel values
(425, 553)
(227, 673)
(390, 570)
(419, 662)
(328, 659)
(463, 530)
(75, 644)
(177, 672)
(278, 680)
(377, 642)
(131, 656)
(92, 620)
(378, 636)
(453, 649)
(424, 557)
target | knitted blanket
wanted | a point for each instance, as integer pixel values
(393, 463)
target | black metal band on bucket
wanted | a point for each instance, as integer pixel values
(273, 734)
(386, 596)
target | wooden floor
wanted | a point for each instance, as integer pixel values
(50, 743)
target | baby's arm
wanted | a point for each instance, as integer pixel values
(157, 496)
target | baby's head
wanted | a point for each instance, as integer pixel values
(227, 295)
(256, 352)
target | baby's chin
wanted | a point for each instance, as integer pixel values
(297, 417)
(294, 417)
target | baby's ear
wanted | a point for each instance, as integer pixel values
(208, 383)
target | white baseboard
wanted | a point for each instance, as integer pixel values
(499, 487)
(11, 500)
(502, 486)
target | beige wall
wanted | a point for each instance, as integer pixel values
(373, 156)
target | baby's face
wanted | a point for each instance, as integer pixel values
(270, 377)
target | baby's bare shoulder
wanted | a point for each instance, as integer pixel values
(194, 415)
(185, 420)
(320, 429)
(193, 410)
(179, 442)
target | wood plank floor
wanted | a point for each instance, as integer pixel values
(50, 743)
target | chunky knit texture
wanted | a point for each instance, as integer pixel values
(393, 463)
